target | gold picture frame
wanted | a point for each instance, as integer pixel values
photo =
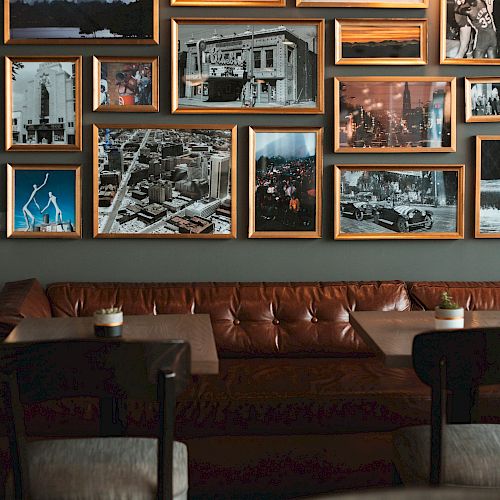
(154, 40)
(489, 109)
(97, 62)
(249, 91)
(490, 228)
(367, 34)
(382, 141)
(468, 34)
(227, 219)
(397, 215)
(365, 4)
(298, 218)
(228, 3)
(45, 228)
(39, 130)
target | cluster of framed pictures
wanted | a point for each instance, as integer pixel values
(180, 180)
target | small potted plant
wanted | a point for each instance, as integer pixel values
(448, 314)
(108, 322)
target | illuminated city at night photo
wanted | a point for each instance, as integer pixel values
(395, 115)
(164, 181)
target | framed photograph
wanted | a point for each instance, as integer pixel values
(232, 66)
(43, 103)
(228, 3)
(393, 202)
(482, 101)
(125, 84)
(469, 32)
(37, 22)
(366, 4)
(43, 201)
(164, 181)
(487, 217)
(381, 41)
(376, 114)
(286, 166)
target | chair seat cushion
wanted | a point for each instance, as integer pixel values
(101, 468)
(471, 455)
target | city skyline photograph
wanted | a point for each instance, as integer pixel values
(395, 114)
(164, 181)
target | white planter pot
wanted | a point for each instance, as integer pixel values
(448, 319)
(114, 319)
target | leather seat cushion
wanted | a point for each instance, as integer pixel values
(471, 455)
(101, 468)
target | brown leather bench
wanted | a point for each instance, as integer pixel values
(300, 405)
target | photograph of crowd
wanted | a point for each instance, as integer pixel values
(237, 67)
(94, 21)
(469, 31)
(482, 101)
(413, 201)
(488, 187)
(391, 114)
(164, 181)
(125, 84)
(379, 41)
(285, 189)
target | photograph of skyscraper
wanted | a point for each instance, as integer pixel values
(383, 114)
(164, 181)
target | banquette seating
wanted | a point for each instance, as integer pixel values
(300, 405)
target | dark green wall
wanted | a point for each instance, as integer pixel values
(244, 259)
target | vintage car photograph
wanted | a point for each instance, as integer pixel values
(394, 202)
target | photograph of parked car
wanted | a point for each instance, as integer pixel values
(393, 202)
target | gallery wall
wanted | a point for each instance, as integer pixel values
(246, 259)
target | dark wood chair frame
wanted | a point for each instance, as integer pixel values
(111, 370)
(454, 364)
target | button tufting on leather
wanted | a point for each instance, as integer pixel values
(276, 321)
(236, 322)
(314, 319)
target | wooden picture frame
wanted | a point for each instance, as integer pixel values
(365, 4)
(201, 216)
(357, 41)
(228, 3)
(487, 192)
(114, 106)
(35, 183)
(487, 107)
(291, 220)
(90, 32)
(30, 132)
(355, 132)
(461, 28)
(401, 204)
(244, 76)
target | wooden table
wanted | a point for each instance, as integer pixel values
(390, 333)
(194, 328)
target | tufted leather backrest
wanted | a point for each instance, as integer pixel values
(471, 295)
(249, 319)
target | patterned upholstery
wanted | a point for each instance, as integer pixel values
(100, 469)
(471, 455)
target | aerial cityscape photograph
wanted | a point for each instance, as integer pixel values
(164, 181)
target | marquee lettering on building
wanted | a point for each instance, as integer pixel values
(216, 56)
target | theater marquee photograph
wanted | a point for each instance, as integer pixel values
(231, 66)
(160, 181)
(394, 202)
(43, 103)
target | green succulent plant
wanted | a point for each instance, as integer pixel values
(109, 310)
(447, 302)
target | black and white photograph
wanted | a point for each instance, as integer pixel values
(43, 103)
(161, 181)
(83, 22)
(482, 100)
(469, 32)
(285, 182)
(236, 67)
(395, 114)
(487, 187)
(414, 201)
